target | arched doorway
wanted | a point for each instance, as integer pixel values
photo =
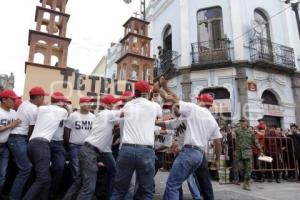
(272, 111)
(221, 109)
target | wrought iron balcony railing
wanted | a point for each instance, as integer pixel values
(211, 52)
(168, 61)
(266, 51)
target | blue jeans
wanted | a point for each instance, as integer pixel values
(39, 154)
(203, 177)
(58, 161)
(139, 159)
(185, 164)
(84, 186)
(4, 158)
(193, 187)
(74, 159)
(18, 147)
(133, 187)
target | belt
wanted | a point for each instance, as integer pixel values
(90, 146)
(193, 147)
(41, 139)
(18, 135)
(138, 145)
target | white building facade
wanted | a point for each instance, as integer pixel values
(246, 53)
(113, 54)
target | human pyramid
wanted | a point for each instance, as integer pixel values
(36, 135)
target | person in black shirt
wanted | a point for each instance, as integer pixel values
(295, 136)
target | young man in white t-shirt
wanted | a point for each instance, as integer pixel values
(96, 148)
(48, 120)
(8, 120)
(136, 153)
(18, 139)
(201, 127)
(78, 127)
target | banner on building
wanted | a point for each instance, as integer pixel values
(71, 82)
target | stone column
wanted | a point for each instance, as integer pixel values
(241, 79)
(186, 85)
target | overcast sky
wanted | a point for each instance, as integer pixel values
(93, 25)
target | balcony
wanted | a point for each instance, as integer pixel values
(267, 53)
(165, 64)
(211, 52)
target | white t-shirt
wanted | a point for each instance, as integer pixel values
(80, 125)
(101, 135)
(161, 141)
(6, 117)
(27, 113)
(179, 127)
(48, 120)
(201, 125)
(59, 133)
(139, 121)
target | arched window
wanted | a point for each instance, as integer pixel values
(268, 97)
(263, 24)
(54, 61)
(42, 42)
(167, 38)
(123, 72)
(210, 26)
(146, 73)
(134, 72)
(39, 58)
(46, 16)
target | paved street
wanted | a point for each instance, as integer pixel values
(260, 191)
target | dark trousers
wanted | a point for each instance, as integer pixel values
(203, 177)
(39, 155)
(58, 161)
(84, 186)
(4, 158)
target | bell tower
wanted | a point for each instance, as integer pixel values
(135, 62)
(48, 43)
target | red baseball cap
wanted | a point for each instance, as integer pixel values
(85, 99)
(206, 98)
(109, 99)
(126, 95)
(8, 94)
(58, 96)
(142, 86)
(18, 103)
(38, 91)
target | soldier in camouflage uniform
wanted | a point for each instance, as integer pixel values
(244, 140)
